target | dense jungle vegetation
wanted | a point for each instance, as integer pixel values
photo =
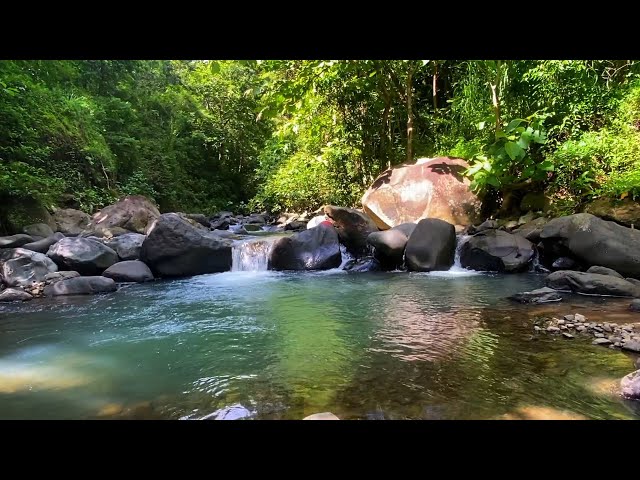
(200, 136)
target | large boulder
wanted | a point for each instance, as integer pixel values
(596, 242)
(42, 246)
(431, 246)
(591, 284)
(389, 245)
(127, 246)
(353, 227)
(174, 248)
(21, 267)
(630, 386)
(432, 188)
(132, 213)
(70, 221)
(314, 249)
(88, 257)
(129, 271)
(14, 295)
(532, 230)
(15, 241)
(80, 286)
(497, 251)
(38, 230)
(625, 212)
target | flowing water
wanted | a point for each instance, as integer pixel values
(252, 343)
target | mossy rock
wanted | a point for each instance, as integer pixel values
(17, 213)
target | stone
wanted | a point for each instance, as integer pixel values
(174, 248)
(22, 211)
(54, 277)
(601, 341)
(630, 386)
(632, 346)
(42, 246)
(199, 218)
(134, 213)
(317, 220)
(129, 271)
(14, 295)
(431, 246)
(591, 284)
(578, 317)
(321, 416)
(498, 251)
(532, 229)
(567, 335)
(431, 188)
(127, 246)
(564, 263)
(604, 271)
(389, 245)
(552, 329)
(81, 286)
(635, 305)
(20, 267)
(625, 212)
(38, 230)
(569, 318)
(540, 295)
(596, 242)
(315, 249)
(353, 227)
(363, 264)
(88, 257)
(70, 221)
(15, 241)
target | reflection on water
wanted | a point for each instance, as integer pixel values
(245, 345)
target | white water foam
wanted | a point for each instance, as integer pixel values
(252, 255)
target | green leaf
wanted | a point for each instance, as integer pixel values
(523, 142)
(493, 181)
(513, 150)
(528, 172)
(547, 166)
(513, 124)
(215, 66)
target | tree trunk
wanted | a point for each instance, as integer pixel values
(410, 115)
(495, 95)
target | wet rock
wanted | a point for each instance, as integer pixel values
(295, 226)
(14, 295)
(564, 263)
(431, 188)
(496, 250)
(487, 225)
(38, 230)
(88, 257)
(314, 249)
(129, 271)
(363, 264)
(81, 286)
(431, 246)
(42, 246)
(604, 271)
(540, 295)
(175, 248)
(353, 227)
(15, 241)
(127, 246)
(389, 245)
(321, 416)
(20, 267)
(70, 221)
(232, 412)
(630, 386)
(601, 341)
(591, 284)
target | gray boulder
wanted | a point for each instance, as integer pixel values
(532, 230)
(591, 284)
(54, 277)
(596, 242)
(70, 221)
(496, 251)
(20, 267)
(80, 286)
(38, 230)
(127, 246)
(88, 257)
(174, 248)
(431, 246)
(14, 295)
(42, 246)
(317, 248)
(129, 271)
(604, 271)
(15, 241)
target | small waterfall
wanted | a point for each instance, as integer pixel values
(252, 255)
(457, 266)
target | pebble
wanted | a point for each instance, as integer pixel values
(581, 328)
(607, 328)
(601, 341)
(570, 318)
(570, 325)
(560, 322)
(537, 328)
(567, 335)
(579, 317)
(563, 327)
(553, 329)
(599, 335)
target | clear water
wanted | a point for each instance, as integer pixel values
(270, 345)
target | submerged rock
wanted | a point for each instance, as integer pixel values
(540, 295)
(21, 267)
(431, 246)
(591, 284)
(315, 249)
(496, 251)
(129, 271)
(81, 286)
(175, 248)
(88, 257)
(431, 188)
(14, 295)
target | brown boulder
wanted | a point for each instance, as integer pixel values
(132, 213)
(434, 188)
(625, 212)
(353, 227)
